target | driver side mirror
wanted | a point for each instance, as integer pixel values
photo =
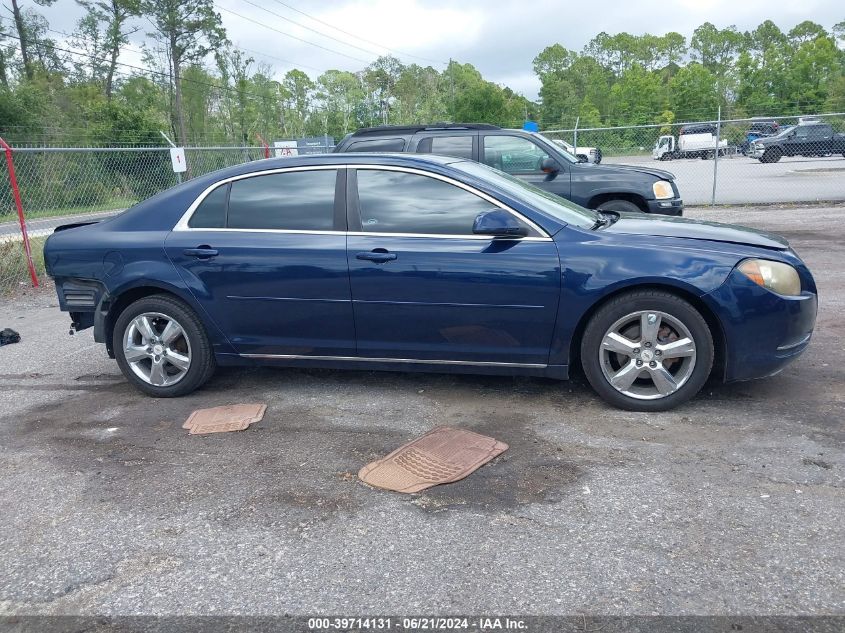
(498, 223)
(549, 166)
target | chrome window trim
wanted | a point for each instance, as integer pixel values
(420, 361)
(182, 224)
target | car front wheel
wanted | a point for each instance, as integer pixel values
(620, 206)
(161, 347)
(647, 351)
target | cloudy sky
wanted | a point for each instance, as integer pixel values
(499, 37)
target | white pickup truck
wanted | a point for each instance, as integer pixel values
(586, 154)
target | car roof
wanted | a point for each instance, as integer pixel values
(387, 130)
(375, 158)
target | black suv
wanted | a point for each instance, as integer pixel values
(534, 158)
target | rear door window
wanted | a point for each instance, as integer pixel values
(457, 146)
(378, 145)
(296, 200)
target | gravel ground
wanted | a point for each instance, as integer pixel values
(732, 504)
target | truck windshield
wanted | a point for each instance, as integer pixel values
(543, 201)
(786, 131)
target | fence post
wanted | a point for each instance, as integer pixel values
(17, 195)
(264, 144)
(716, 157)
(575, 133)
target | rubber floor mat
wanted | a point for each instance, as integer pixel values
(232, 417)
(441, 456)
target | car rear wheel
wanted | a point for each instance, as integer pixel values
(620, 206)
(161, 347)
(647, 351)
(598, 156)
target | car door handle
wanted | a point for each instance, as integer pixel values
(203, 252)
(378, 256)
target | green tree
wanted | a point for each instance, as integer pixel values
(189, 30)
(105, 25)
(692, 93)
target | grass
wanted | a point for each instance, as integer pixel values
(108, 205)
(13, 266)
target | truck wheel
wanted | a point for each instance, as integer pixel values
(598, 156)
(771, 155)
(647, 350)
(620, 206)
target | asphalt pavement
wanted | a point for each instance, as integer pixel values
(731, 504)
(743, 180)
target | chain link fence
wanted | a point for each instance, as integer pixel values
(738, 161)
(59, 185)
(760, 160)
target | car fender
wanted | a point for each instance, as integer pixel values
(163, 276)
(591, 275)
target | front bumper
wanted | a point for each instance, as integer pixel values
(763, 331)
(673, 206)
(756, 151)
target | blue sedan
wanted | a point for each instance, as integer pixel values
(427, 263)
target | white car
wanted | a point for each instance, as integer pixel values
(586, 154)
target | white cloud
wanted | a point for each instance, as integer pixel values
(501, 38)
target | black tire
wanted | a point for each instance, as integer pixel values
(598, 156)
(772, 155)
(620, 206)
(631, 303)
(202, 363)
(583, 158)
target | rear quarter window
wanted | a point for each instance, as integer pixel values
(211, 212)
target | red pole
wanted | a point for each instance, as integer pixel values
(266, 147)
(17, 194)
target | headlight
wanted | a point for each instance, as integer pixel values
(662, 190)
(776, 276)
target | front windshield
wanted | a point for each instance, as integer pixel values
(786, 130)
(545, 202)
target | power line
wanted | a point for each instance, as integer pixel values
(141, 52)
(308, 28)
(358, 37)
(267, 26)
(149, 71)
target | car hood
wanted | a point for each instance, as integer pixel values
(644, 224)
(765, 140)
(627, 169)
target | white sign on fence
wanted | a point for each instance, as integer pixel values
(177, 157)
(285, 148)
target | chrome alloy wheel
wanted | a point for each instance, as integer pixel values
(157, 349)
(647, 355)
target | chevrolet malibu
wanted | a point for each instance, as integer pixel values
(427, 263)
